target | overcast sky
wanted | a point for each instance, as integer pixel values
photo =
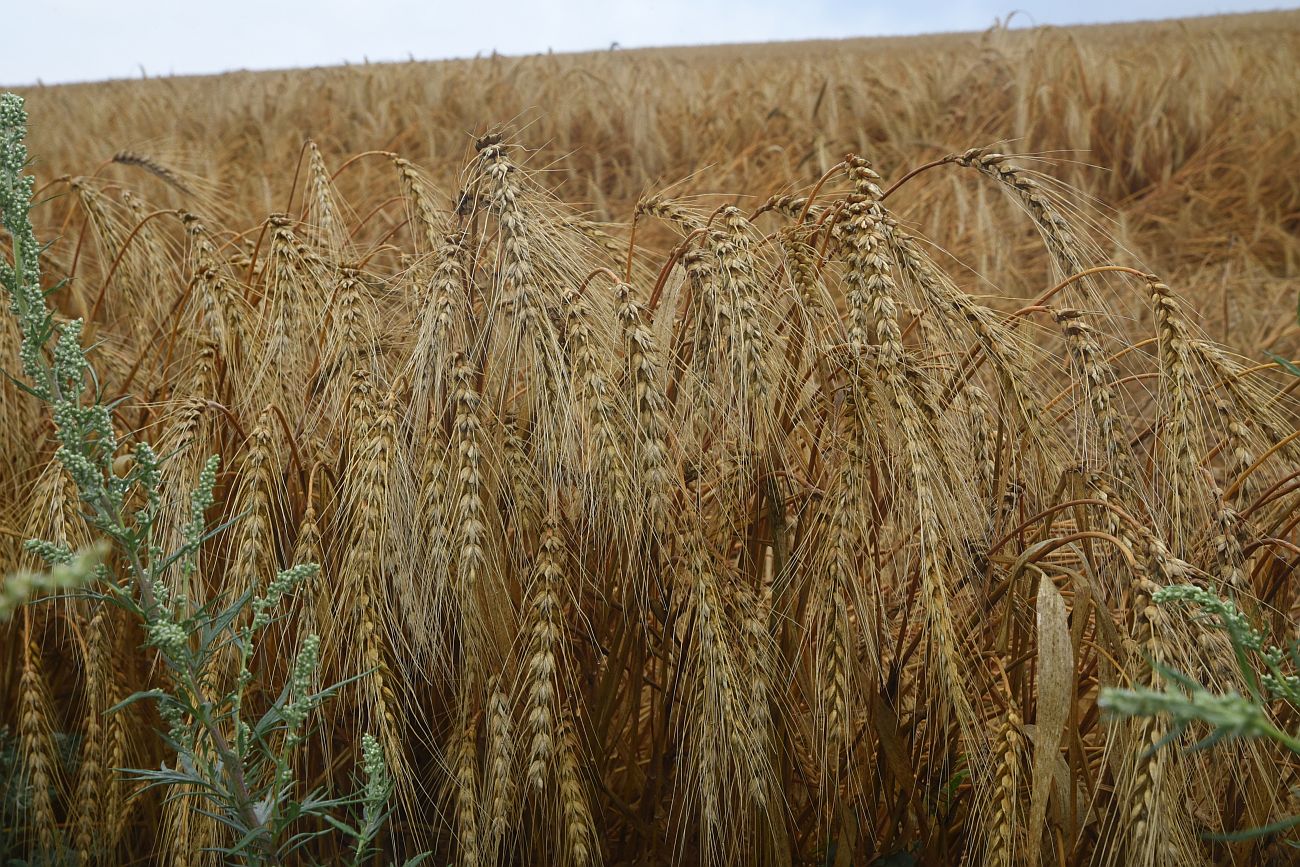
(80, 40)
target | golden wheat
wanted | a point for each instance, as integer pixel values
(712, 537)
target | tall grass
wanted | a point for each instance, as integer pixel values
(1181, 136)
(740, 535)
(230, 769)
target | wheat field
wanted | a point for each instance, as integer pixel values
(727, 455)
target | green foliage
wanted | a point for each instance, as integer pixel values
(236, 768)
(68, 572)
(1269, 672)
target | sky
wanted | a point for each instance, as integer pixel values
(89, 40)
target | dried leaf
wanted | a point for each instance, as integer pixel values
(1055, 688)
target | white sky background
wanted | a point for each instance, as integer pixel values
(84, 40)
